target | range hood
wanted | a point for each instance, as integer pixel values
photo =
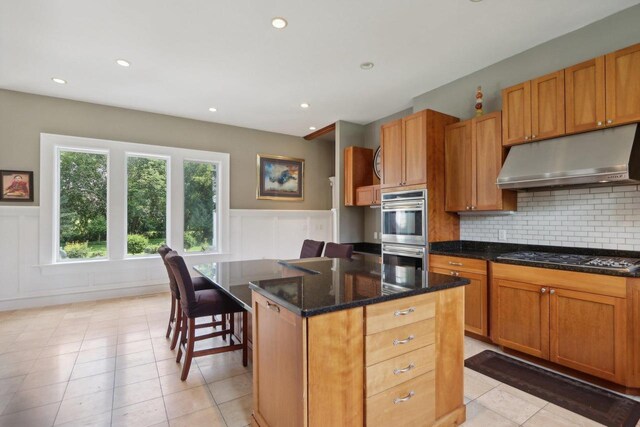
(604, 157)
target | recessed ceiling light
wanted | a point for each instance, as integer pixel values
(304, 105)
(312, 128)
(603, 181)
(279, 22)
(366, 65)
(123, 62)
(213, 109)
(59, 80)
(475, 1)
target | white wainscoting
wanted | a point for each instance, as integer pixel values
(24, 283)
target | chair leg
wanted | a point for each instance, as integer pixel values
(224, 325)
(190, 344)
(172, 316)
(245, 318)
(232, 322)
(183, 337)
(177, 328)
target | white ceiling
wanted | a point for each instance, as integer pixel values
(190, 55)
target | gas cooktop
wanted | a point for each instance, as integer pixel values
(608, 263)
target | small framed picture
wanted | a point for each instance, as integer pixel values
(17, 186)
(280, 178)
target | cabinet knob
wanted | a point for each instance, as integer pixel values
(468, 207)
(473, 208)
(455, 273)
(599, 123)
(543, 290)
(526, 138)
(552, 291)
(609, 121)
(533, 136)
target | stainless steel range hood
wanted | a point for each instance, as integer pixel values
(603, 157)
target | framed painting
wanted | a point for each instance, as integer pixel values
(280, 178)
(17, 186)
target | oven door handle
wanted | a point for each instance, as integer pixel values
(403, 206)
(418, 253)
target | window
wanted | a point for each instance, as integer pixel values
(200, 206)
(114, 201)
(146, 204)
(82, 205)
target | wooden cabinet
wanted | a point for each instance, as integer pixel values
(577, 320)
(414, 137)
(623, 86)
(476, 302)
(534, 110)
(392, 154)
(473, 159)
(358, 172)
(368, 195)
(585, 95)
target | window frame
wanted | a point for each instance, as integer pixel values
(117, 178)
(217, 199)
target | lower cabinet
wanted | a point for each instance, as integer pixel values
(578, 320)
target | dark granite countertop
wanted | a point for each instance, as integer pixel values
(490, 251)
(339, 284)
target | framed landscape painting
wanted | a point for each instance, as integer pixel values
(280, 178)
(17, 186)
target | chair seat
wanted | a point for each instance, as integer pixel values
(211, 302)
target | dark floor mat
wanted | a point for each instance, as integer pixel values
(589, 401)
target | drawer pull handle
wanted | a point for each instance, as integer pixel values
(403, 370)
(273, 307)
(404, 312)
(459, 264)
(455, 273)
(404, 341)
(404, 399)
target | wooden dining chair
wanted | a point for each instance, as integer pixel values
(336, 250)
(175, 317)
(203, 303)
(311, 249)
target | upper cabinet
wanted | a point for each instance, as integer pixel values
(358, 172)
(534, 110)
(392, 154)
(404, 151)
(623, 86)
(473, 158)
(594, 94)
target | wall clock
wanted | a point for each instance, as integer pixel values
(377, 163)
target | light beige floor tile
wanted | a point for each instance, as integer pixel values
(545, 418)
(237, 413)
(134, 347)
(60, 349)
(188, 401)
(133, 327)
(90, 385)
(136, 374)
(475, 387)
(38, 334)
(135, 359)
(172, 383)
(94, 354)
(210, 417)
(89, 344)
(570, 416)
(508, 405)
(482, 377)
(100, 420)
(96, 367)
(64, 361)
(231, 388)
(101, 333)
(42, 416)
(19, 356)
(137, 392)
(42, 378)
(169, 366)
(480, 416)
(4, 401)
(134, 336)
(65, 339)
(142, 414)
(536, 401)
(84, 406)
(11, 385)
(9, 370)
(221, 366)
(27, 399)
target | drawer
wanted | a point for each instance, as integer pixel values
(394, 342)
(409, 404)
(392, 314)
(458, 263)
(392, 372)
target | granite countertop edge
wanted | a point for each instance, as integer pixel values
(454, 283)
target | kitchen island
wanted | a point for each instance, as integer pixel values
(356, 343)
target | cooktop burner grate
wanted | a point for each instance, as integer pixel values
(608, 263)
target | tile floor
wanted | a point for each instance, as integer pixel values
(107, 363)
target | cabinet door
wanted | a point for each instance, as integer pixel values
(364, 196)
(414, 138)
(520, 317)
(623, 86)
(377, 195)
(488, 161)
(516, 114)
(278, 357)
(459, 165)
(584, 94)
(392, 163)
(547, 106)
(588, 333)
(475, 301)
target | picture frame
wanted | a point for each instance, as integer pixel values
(279, 178)
(16, 186)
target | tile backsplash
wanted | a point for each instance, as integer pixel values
(602, 217)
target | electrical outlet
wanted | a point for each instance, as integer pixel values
(502, 234)
(375, 235)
